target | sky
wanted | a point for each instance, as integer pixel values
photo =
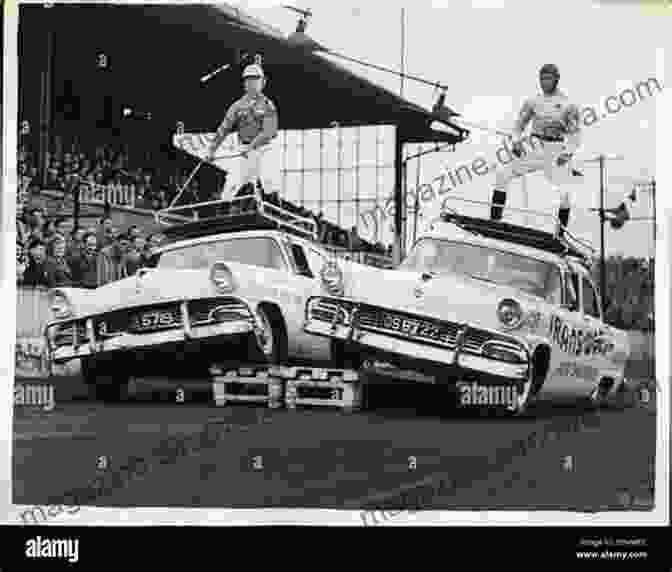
(488, 53)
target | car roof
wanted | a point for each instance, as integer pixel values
(264, 233)
(449, 231)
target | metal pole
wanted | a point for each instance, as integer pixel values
(45, 111)
(653, 262)
(655, 224)
(403, 50)
(398, 195)
(416, 207)
(603, 268)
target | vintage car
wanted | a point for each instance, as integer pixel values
(479, 302)
(226, 288)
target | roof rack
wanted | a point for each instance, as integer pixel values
(242, 213)
(567, 245)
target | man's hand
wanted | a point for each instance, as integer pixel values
(563, 159)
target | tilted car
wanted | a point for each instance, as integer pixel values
(479, 302)
(227, 289)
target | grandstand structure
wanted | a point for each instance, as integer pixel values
(122, 88)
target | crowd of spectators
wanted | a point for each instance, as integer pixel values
(105, 166)
(55, 253)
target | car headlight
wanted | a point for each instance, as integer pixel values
(222, 278)
(60, 305)
(510, 313)
(332, 279)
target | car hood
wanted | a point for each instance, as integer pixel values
(452, 297)
(145, 287)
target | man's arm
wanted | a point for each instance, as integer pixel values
(226, 127)
(524, 117)
(574, 134)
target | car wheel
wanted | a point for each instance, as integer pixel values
(271, 336)
(599, 397)
(343, 356)
(104, 383)
(524, 396)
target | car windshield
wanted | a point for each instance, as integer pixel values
(528, 274)
(258, 251)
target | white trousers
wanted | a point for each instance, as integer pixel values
(259, 165)
(540, 156)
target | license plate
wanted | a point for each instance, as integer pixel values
(430, 331)
(411, 327)
(400, 324)
(154, 319)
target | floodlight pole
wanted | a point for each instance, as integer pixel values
(603, 263)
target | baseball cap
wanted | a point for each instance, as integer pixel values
(253, 70)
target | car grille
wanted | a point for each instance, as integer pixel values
(153, 318)
(205, 310)
(64, 335)
(408, 326)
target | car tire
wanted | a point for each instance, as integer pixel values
(105, 384)
(343, 356)
(273, 338)
(597, 399)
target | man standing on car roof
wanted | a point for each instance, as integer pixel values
(555, 138)
(255, 117)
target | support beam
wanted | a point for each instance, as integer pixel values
(399, 199)
(46, 104)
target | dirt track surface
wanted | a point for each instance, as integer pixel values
(328, 459)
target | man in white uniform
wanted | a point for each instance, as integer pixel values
(254, 116)
(554, 139)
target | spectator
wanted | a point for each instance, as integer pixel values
(134, 231)
(85, 266)
(64, 227)
(59, 272)
(76, 245)
(20, 262)
(138, 257)
(106, 233)
(35, 222)
(22, 229)
(112, 262)
(48, 234)
(36, 270)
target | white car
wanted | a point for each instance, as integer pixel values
(228, 289)
(479, 304)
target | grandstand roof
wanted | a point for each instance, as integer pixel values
(158, 53)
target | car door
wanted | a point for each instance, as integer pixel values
(566, 339)
(594, 358)
(308, 263)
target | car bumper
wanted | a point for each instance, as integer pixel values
(416, 352)
(187, 332)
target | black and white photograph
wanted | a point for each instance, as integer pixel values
(353, 263)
